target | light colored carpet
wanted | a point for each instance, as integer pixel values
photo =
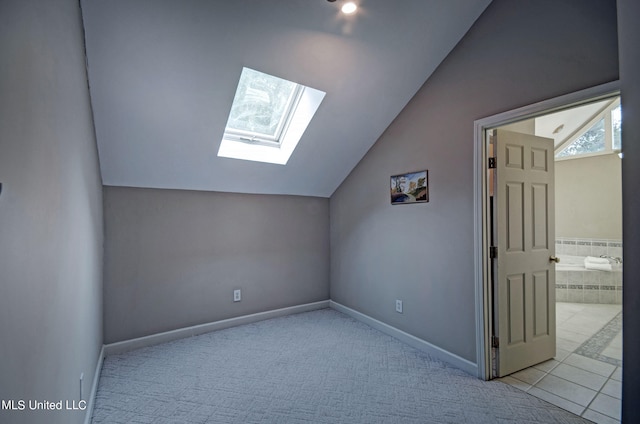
(315, 367)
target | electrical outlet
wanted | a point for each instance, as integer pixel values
(237, 295)
(399, 306)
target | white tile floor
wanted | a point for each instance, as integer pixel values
(587, 387)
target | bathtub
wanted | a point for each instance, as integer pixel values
(576, 263)
(570, 263)
(575, 283)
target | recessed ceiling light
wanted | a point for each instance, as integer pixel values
(349, 8)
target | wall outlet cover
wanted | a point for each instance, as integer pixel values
(237, 295)
(399, 306)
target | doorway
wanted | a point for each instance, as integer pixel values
(571, 304)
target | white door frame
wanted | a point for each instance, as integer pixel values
(483, 299)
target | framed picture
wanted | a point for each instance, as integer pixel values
(412, 187)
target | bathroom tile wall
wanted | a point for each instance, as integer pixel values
(588, 247)
(589, 286)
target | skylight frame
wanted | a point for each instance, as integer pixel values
(254, 137)
(259, 147)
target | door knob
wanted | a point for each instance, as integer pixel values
(554, 259)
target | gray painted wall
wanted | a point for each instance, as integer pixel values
(629, 34)
(516, 54)
(589, 197)
(50, 211)
(174, 257)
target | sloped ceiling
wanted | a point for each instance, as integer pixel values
(562, 125)
(163, 74)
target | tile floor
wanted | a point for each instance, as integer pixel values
(585, 376)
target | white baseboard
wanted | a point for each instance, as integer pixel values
(181, 333)
(94, 388)
(407, 338)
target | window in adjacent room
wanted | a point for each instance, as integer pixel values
(600, 135)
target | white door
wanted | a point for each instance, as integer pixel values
(524, 266)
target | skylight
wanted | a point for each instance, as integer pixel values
(261, 105)
(268, 117)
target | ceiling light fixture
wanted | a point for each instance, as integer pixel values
(349, 8)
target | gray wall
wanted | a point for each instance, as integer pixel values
(516, 54)
(589, 197)
(174, 257)
(629, 34)
(50, 211)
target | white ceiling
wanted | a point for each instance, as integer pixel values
(163, 74)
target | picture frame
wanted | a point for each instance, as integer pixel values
(410, 188)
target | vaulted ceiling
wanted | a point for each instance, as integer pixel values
(163, 74)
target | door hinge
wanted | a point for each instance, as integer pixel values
(492, 163)
(495, 341)
(493, 252)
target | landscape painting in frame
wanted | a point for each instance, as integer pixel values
(410, 188)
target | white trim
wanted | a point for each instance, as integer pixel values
(409, 339)
(479, 239)
(181, 333)
(94, 388)
(578, 98)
